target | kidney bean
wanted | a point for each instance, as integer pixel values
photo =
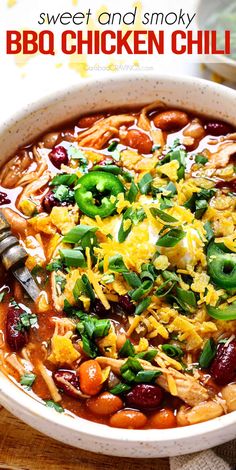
(126, 304)
(194, 130)
(16, 338)
(144, 396)
(88, 121)
(99, 309)
(172, 120)
(58, 156)
(128, 419)
(90, 377)
(49, 201)
(105, 404)
(163, 419)
(231, 185)
(217, 128)
(138, 140)
(68, 381)
(4, 199)
(223, 368)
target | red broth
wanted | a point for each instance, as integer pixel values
(138, 329)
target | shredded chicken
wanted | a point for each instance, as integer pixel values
(17, 222)
(190, 391)
(49, 382)
(200, 413)
(63, 326)
(16, 364)
(20, 170)
(222, 157)
(144, 122)
(102, 131)
(32, 189)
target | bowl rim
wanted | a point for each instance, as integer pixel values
(13, 398)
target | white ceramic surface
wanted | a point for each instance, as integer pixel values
(192, 94)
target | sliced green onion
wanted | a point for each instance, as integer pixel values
(112, 146)
(131, 364)
(144, 304)
(77, 233)
(54, 405)
(123, 234)
(209, 231)
(201, 159)
(142, 290)
(208, 354)
(55, 265)
(170, 276)
(145, 183)
(27, 380)
(2, 294)
(132, 279)
(89, 347)
(128, 376)
(102, 328)
(66, 179)
(132, 193)
(171, 238)
(165, 288)
(201, 207)
(147, 376)
(163, 216)
(120, 388)
(127, 349)
(186, 296)
(172, 351)
(117, 264)
(73, 258)
(147, 355)
(83, 287)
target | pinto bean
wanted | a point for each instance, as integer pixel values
(137, 140)
(90, 377)
(172, 120)
(16, 338)
(50, 139)
(88, 121)
(194, 130)
(128, 419)
(229, 395)
(163, 419)
(198, 414)
(104, 404)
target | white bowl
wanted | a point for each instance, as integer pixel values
(193, 94)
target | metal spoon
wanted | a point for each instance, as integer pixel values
(13, 257)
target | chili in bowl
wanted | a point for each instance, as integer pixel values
(128, 220)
